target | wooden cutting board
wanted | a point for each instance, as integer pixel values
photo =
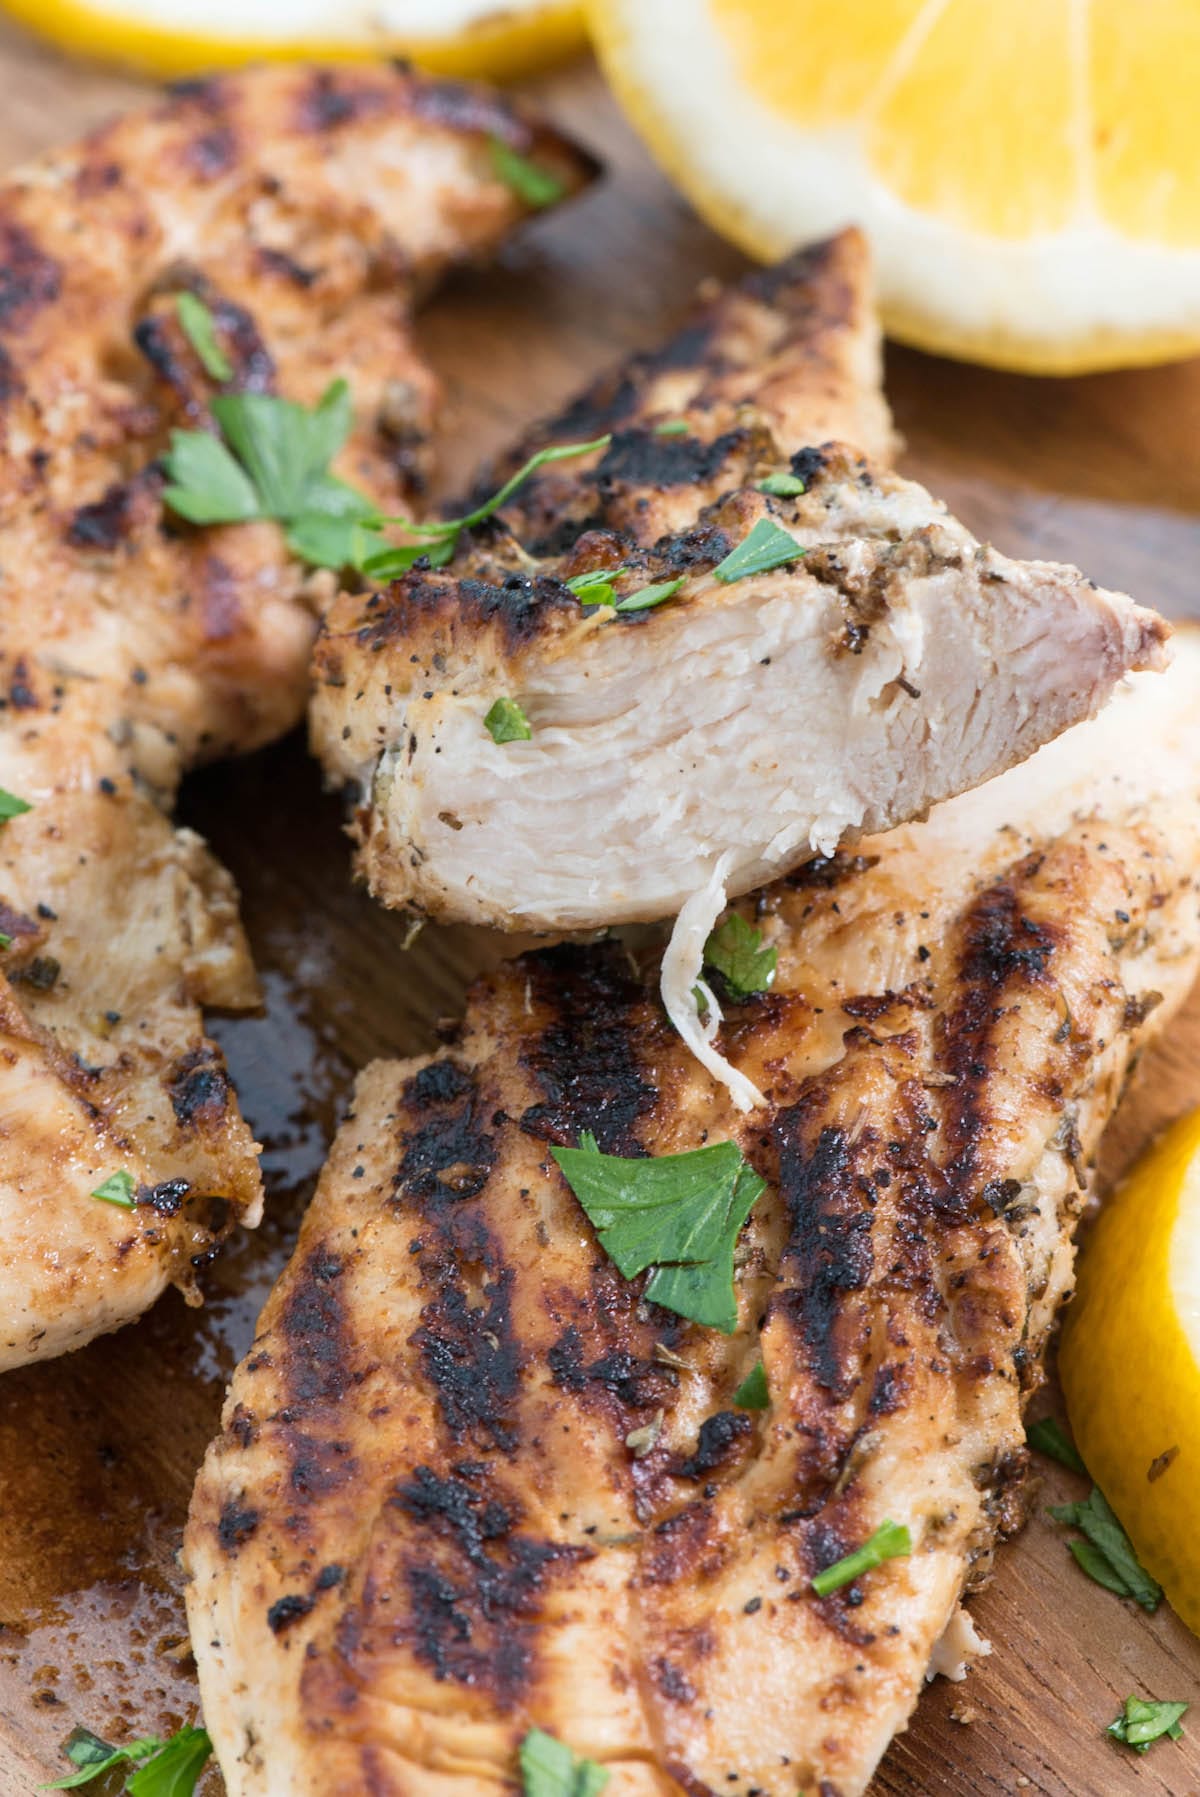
(98, 1451)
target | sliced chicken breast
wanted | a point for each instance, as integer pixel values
(744, 722)
(473, 1482)
(306, 207)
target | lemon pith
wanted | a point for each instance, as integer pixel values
(500, 42)
(1032, 205)
(1130, 1360)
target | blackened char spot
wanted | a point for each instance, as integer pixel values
(643, 458)
(165, 1197)
(236, 1524)
(10, 380)
(314, 1326)
(106, 522)
(212, 153)
(823, 872)
(634, 1383)
(809, 465)
(331, 99)
(718, 1437)
(21, 694)
(199, 1087)
(29, 278)
(586, 1059)
(829, 1249)
(1000, 949)
(473, 1360)
(287, 1610)
(474, 1584)
(449, 1155)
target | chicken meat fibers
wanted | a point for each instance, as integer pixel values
(589, 1405)
(714, 645)
(241, 242)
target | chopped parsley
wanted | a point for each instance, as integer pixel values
(767, 546)
(164, 1768)
(5, 940)
(12, 806)
(646, 598)
(550, 1769)
(118, 1188)
(735, 950)
(595, 588)
(533, 185)
(891, 1541)
(272, 460)
(672, 427)
(1106, 1552)
(680, 1214)
(1048, 1437)
(507, 723)
(753, 1393)
(781, 486)
(200, 328)
(1142, 1721)
(439, 538)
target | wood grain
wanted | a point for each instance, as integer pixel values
(97, 1452)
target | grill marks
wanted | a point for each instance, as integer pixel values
(590, 1058)
(29, 278)
(474, 1581)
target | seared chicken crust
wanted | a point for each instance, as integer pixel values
(895, 662)
(471, 1483)
(307, 208)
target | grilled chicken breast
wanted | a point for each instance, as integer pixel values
(306, 207)
(472, 1482)
(748, 721)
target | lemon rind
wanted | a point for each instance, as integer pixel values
(500, 48)
(1029, 317)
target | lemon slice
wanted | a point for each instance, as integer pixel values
(1130, 1361)
(180, 37)
(1027, 171)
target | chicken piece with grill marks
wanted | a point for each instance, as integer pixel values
(472, 1483)
(306, 207)
(737, 725)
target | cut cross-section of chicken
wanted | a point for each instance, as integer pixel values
(304, 209)
(472, 1482)
(874, 659)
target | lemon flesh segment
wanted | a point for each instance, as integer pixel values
(1130, 1361)
(180, 37)
(1029, 174)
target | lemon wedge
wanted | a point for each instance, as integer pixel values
(1027, 172)
(181, 37)
(1130, 1361)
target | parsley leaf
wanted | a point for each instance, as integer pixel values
(200, 329)
(208, 485)
(767, 546)
(5, 940)
(534, 185)
(12, 806)
(1106, 1554)
(1142, 1721)
(891, 1541)
(735, 950)
(273, 462)
(163, 1768)
(550, 1769)
(118, 1188)
(596, 587)
(782, 486)
(753, 1393)
(1048, 1437)
(678, 1213)
(507, 723)
(646, 598)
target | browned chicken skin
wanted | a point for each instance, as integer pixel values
(307, 208)
(472, 1483)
